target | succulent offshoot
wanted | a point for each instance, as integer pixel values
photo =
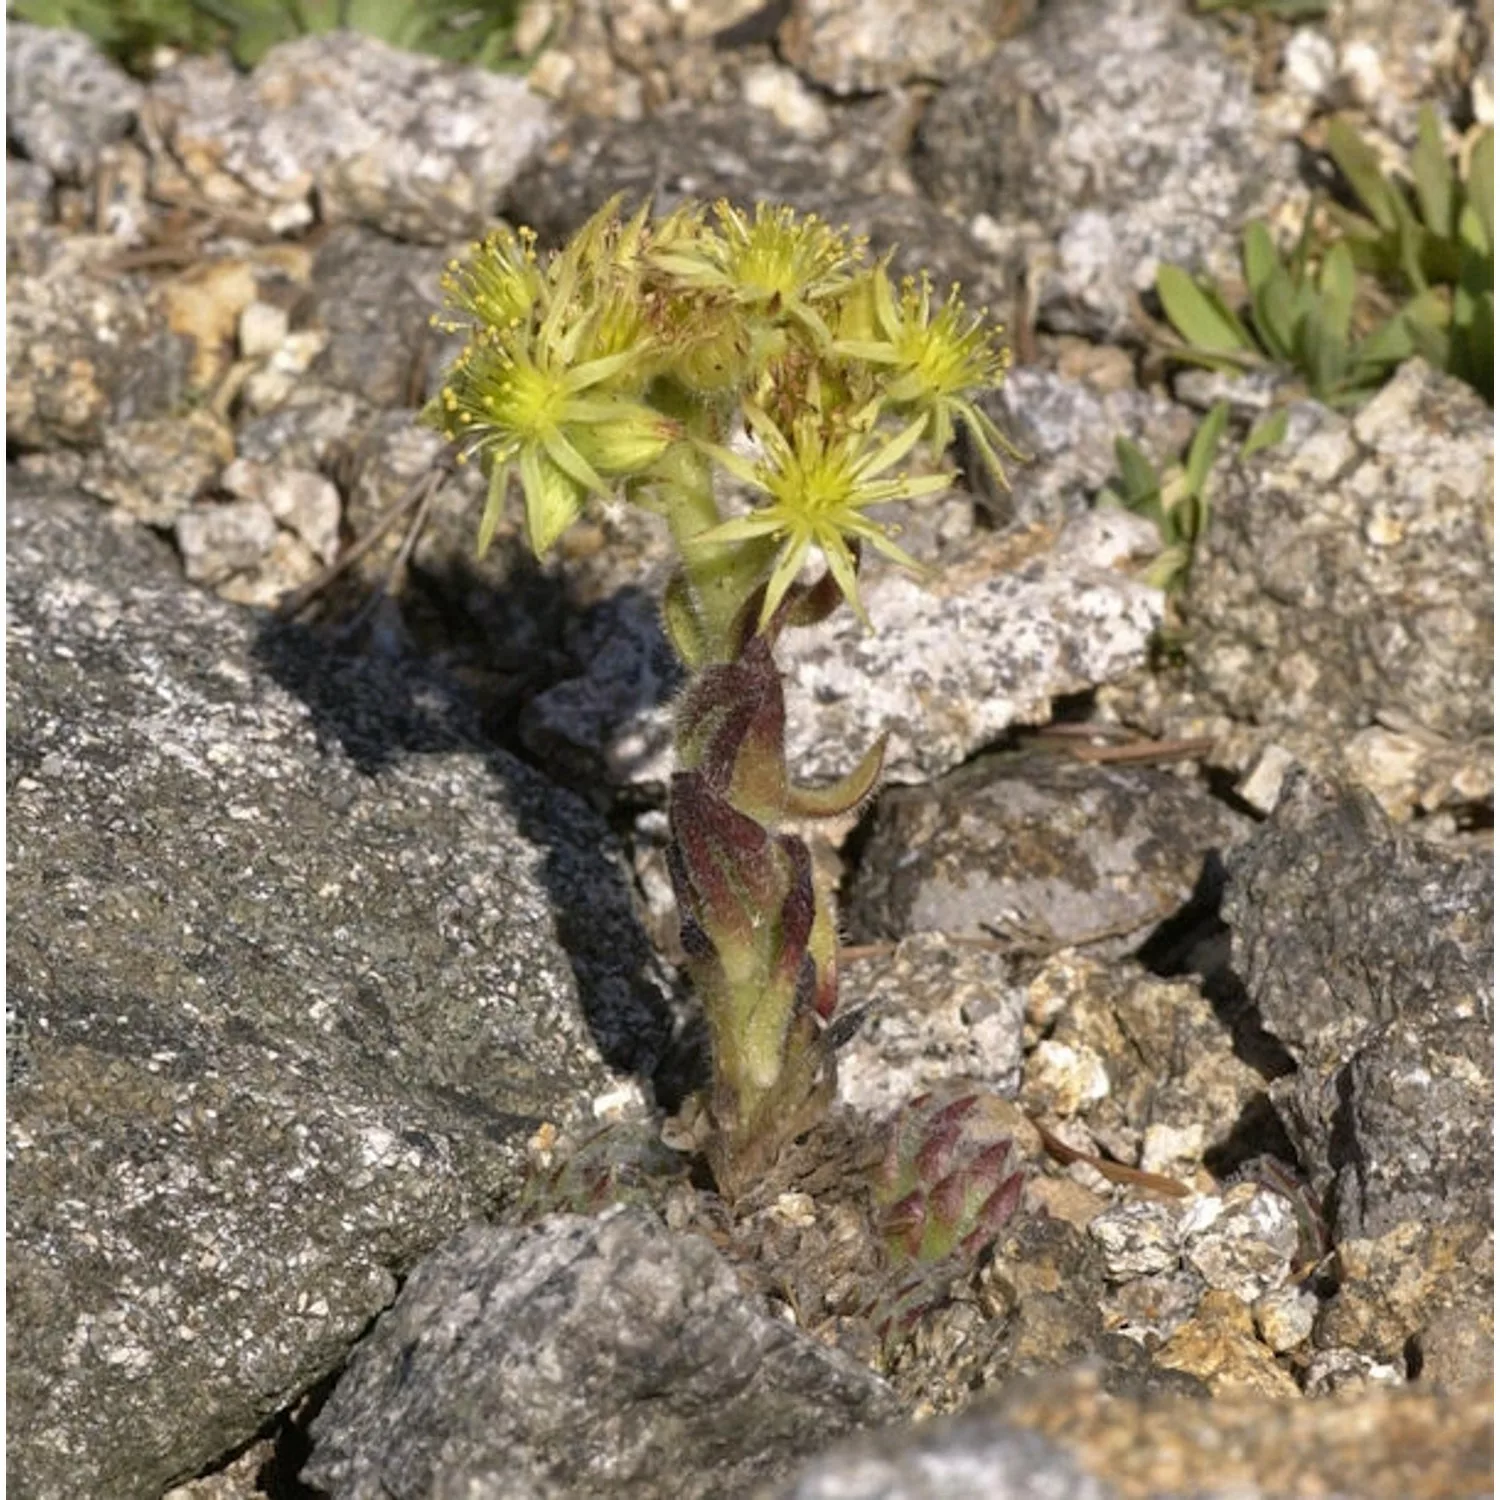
(625, 364)
(952, 1176)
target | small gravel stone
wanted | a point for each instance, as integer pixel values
(217, 540)
(263, 327)
(1284, 1317)
(1250, 1247)
(1138, 1238)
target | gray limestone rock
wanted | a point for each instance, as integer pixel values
(1166, 1083)
(934, 1009)
(1067, 432)
(1046, 851)
(84, 349)
(689, 151)
(1394, 55)
(737, 151)
(626, 59)
(416, 147)
(854, 47)
(295, 970)
(64, 99)
(1340, 608)
(1125, 132)
(28, 197)
(1369, 958)
(314, 428)
(375, 299)
(155, 469)
(582, 1357)
(1007, 625)
(976, 1456)
(1347, 571)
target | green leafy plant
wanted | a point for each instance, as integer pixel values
(1176, 498)
(471, 31)
(128, 30)
(648, 359)
(1279, 10)
(1298, 313)
(1433, 235)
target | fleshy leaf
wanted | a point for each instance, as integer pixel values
(1431, 174)
(1205, 326)
(1205, 444)
(1360, 165)
(845, 794)
(1267, 433)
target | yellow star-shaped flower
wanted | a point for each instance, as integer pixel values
(818, 487)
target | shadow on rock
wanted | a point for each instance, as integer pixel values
(407, 708)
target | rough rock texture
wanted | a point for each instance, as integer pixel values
(295, 971)
(1091, 127)
(626, 59)
(1044, 849)
(1383, 1447)
(936, 1009)
(84, 350)
(418, 148)
(1368, 957)
(1420, 1299)
(1157, 1075)
(1347, 577)
(155, 469)
(1067, 432)
(375, 298)
(855, 48)
(64, 99)
(740, 152)
(1394, 54)
(1008, 625)
(28, 197)
(1064, 1438)
(584, 1357)
(969, 1457)
(699, 150)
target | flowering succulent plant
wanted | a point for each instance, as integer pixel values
(626, 363)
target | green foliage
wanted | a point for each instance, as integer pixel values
(1433, 235)
(1428, 239)
(1279, 10)
(470, 31)
(624, 364)
(1176, 499)
(1299, 313)
(128, 30)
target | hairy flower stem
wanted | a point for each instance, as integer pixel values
(708, 592)
(622, 364)
(757, 927)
